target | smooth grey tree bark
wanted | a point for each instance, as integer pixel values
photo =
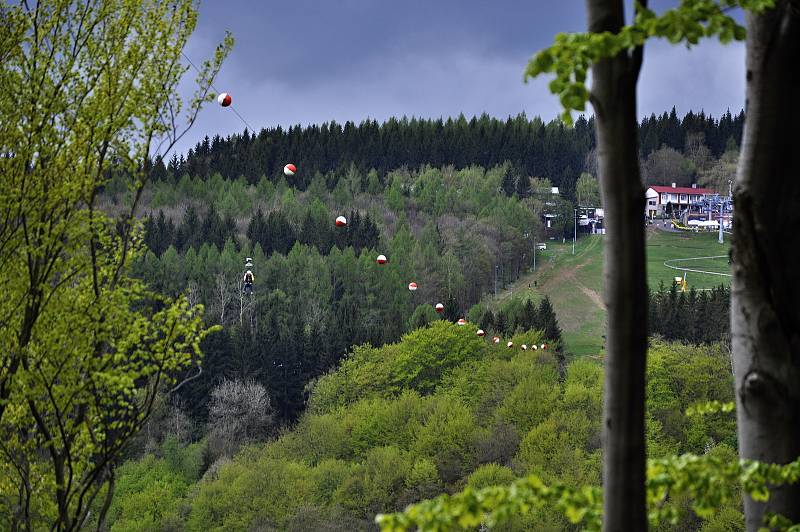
(613, 96)
(765, 296)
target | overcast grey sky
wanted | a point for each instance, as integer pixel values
(312, 61)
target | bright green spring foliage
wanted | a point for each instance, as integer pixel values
(496, 504)
(88, 91)
(709, 480)
(710, 407)
(572, 54)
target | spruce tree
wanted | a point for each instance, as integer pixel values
(257, 229)
(508, 184)
(188, 233)
(501, 322)
(452, 312)
(548, 321)
(529, 317)
(150, 234)
(523, 187)
(487, 320)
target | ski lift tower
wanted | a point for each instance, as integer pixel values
(721, 205)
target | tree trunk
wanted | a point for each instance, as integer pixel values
(614, 99)
(765, 322)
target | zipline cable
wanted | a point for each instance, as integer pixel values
(248, 126)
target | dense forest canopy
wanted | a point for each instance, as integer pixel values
(459, 230)
(532, 147)
(438, 411)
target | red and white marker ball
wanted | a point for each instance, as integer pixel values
(480, 332)
(439, 307)
(381, 259)
(224, 99)
(510, 345)
(412, 286)
(289, 169)
(496, 339)
(543, 346)
(341, 221)
(524, 347)
(462, 321)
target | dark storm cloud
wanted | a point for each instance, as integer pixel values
(303, 61)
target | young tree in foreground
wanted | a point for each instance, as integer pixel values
(765, 322)
(88, 91)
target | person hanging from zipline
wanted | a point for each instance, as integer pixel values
(248, 282)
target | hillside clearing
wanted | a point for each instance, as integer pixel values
(574, 283)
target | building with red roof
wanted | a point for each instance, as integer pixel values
(661, 199)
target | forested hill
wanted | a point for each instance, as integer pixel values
(533, 148)
(458, 232)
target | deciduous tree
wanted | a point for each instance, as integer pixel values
(88, 91)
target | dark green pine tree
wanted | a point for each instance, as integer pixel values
(188, 233)
(420, 320)
(682, 317)
(487, 321)
(508, 184)
(150, 234)
(280, 235)
(670, 323)
(452, 312)
(370, 234)
(701, 315)
(165, 234)
(650, 142)
(217, 359)
(529, 318)
(523, 188)
(212, 229)
(548, 321)
(257, 229)
(229, 230)
(353, 231)
(690, 333)
(501, 322)
(158, 172)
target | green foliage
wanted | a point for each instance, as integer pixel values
(571, 56)
(711, 481)
(381, 433)
(417, 362)
(587, 191)
(680, 377)
(490, 475)
(149, 492)
(496, 504)
(710, 407)
(100, 77)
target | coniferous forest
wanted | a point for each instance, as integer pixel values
(531, 146)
